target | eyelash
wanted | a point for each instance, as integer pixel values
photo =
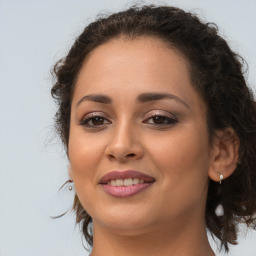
(93, 116)
(167, 121)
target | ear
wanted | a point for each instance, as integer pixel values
(70, 173)
(224, 154)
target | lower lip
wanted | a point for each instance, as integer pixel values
(125, 191)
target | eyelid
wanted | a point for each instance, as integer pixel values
(160, 113)
(94, 114)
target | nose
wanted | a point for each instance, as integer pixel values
(124, 145)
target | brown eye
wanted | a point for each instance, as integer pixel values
(97, 120)
(94, 121)
(160, 120)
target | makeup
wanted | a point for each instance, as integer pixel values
(125, 183)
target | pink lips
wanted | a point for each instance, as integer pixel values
(124, 191)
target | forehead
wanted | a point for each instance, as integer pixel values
(134, 57)
(126, 67)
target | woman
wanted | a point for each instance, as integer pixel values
(160, 131)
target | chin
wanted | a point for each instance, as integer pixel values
(129, 220)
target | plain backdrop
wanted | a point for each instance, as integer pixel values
(33, 36)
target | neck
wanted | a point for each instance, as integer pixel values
(186, 240)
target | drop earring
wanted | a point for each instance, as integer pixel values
(70, 187)
(219, 211)
(221, 177)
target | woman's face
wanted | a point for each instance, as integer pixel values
(138, 145)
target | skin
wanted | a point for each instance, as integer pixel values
(168, 217)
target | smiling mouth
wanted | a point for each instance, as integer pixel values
(125, 183)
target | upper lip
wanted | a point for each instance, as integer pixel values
(114, 175)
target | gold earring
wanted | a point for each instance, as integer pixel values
(221, 177)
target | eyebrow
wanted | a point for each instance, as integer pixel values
(100, 98)
(154, 96)
(142, 98)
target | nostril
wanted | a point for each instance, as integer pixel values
(131, 155)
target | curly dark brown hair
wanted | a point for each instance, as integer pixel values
(218, 76)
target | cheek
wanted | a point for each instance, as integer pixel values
(183, 160)
(85, 152)
(183, 164)
(183, 157)
(187, 146)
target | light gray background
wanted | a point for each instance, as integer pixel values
(33, 36)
